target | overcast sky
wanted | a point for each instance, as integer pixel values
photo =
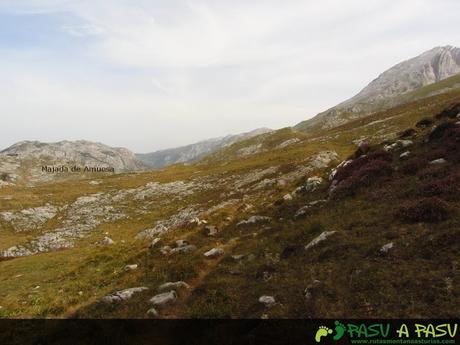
(152, 74)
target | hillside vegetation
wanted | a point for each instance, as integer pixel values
(357, 221)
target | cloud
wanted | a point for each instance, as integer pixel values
(136, 71)
(83, 30)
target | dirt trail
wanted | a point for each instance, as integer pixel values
(179, 308)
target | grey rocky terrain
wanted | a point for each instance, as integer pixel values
(25, 159)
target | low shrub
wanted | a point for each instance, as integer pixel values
(432, 172)
(429, 210)
(437, 188)
(408, 133)
(439, 131)
(362, 150)
(450, 112)
(413, 165)
(364, 176)
(355, 165)
(423, 123)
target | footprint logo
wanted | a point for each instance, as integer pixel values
(339, 330)
(322, 332)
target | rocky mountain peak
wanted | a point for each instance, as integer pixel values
(386, 90)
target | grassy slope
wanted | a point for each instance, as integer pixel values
(356, 281)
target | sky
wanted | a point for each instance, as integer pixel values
(154, 74)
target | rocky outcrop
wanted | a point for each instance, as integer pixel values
(29, 219)
(123, 295)
(82, 153)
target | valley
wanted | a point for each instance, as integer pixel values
(359, 219)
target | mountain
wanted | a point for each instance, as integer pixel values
(282, 225)
(192, 153)
(25, 159)
(81, 152)
(390, 87)
(287, 231)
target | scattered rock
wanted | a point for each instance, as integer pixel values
(154, 242)
(310, 289)
(334, 171)
(386, 248)
(304, 210)
(123, 295)
(267, 301)
(131, 267)
(287, 197)
(173, 286)
(311, 185)
(319, 239)
(197, 221)
(254, 220)
(107, 241)
(165, 250)
(397, 145)
(238, 257)
(404, 154)
(181, 243)
(149, 234)
(210, 230)
(438, 161)
(214, 252)
(185, 249)
(323, 159)
(152, 312)
(164, 298)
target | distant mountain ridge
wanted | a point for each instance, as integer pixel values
(80, 152)
(192, 153)
(388, 88)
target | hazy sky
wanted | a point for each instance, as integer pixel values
(151, 74)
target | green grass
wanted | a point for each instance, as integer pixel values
(355, 281)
